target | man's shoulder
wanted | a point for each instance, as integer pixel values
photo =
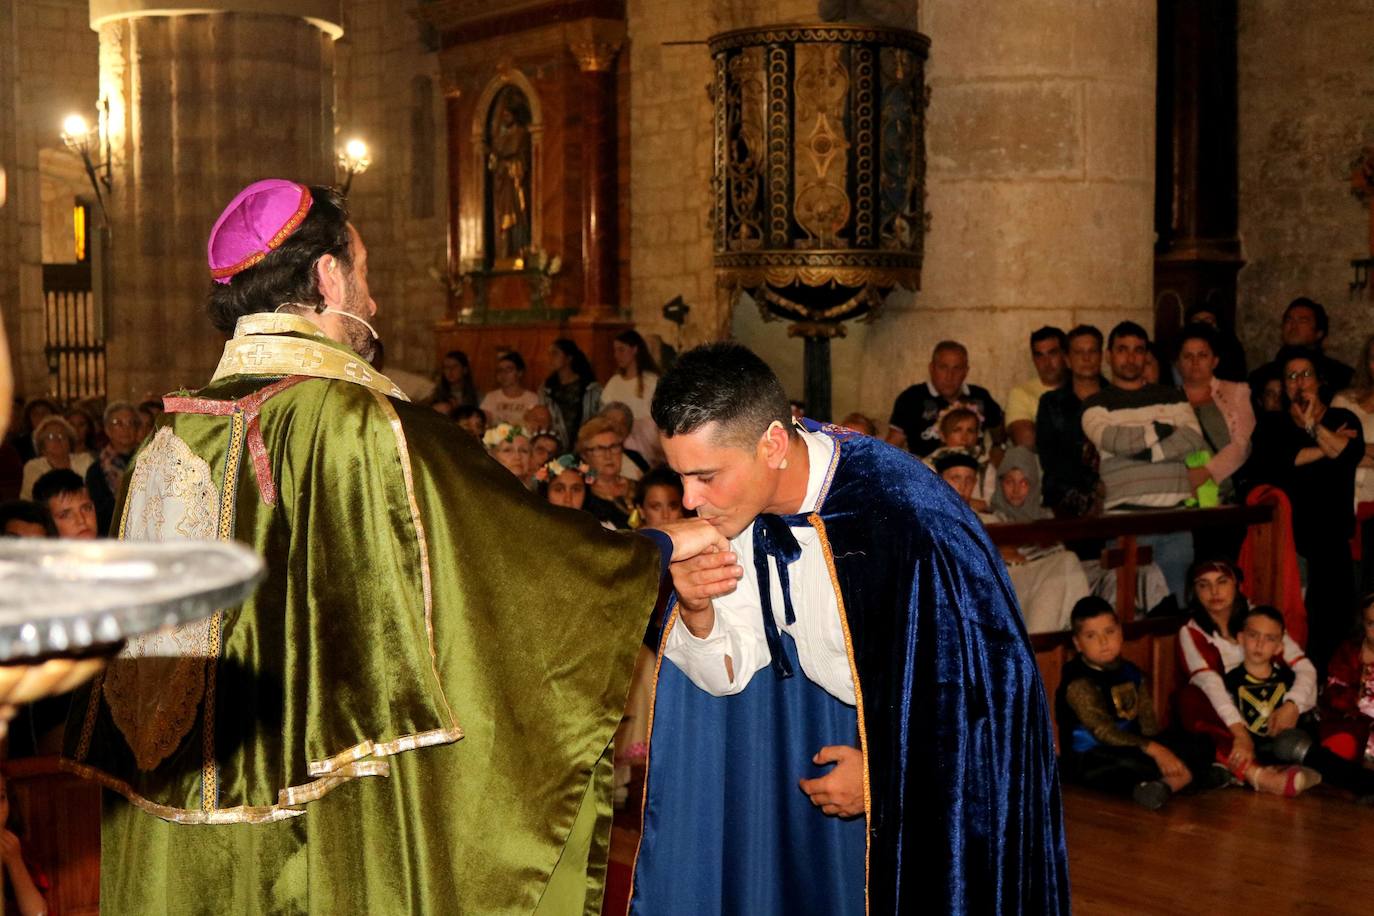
(917, 391)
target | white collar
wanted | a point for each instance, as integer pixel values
(963, 391)
(820, 449)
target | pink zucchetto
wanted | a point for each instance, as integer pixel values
(256, 221)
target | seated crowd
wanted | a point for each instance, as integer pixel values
(1165, 431)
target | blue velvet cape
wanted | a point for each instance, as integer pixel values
(963, 805)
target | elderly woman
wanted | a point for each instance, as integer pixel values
(55, 443)
(633, 464)
(1223, 410)
(123, 430)
(601, 445)
(1311, 451)
(510, 445)
(1048, 580)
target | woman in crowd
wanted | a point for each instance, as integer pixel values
(1311, 451)
(1049, 581)
(510, 445)
(633, 384)
(633, 465)
(543, 447)
(455, 381)
(1207, 648)
(85, 430)
(103, 480)
(510, 399)
(1359, 400)
(35, 410)
(571, 385)
(54, 443)
(600, 446)
(1223, 410)
(658, 498)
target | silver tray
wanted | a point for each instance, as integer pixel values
(75, 597)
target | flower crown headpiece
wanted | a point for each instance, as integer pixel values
(502, 433)
(960, 405)
(564, 463)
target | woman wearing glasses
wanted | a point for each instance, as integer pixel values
(55, 444)
(601, 445)
(1310, 451)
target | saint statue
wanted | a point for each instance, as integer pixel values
(508, 161)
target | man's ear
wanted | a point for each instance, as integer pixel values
(329, 277)
(774, 444)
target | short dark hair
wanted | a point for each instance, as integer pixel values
(464, 411)
(1126, 329)
(287, 273)
(1049, 332)
(22, 510)
(1268, 612)
(724, 383)
(661, 476)
(1085, 330)
(1197, 330)
(1318, 312)
(57, 483)
(1088, 608)
(514, 358)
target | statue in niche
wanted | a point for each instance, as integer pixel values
(508, 165)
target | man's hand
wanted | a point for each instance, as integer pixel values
(698, 580)
(840, 792)
(1283, 718)
(693, 536)
(1197, 477)
(1167, 760)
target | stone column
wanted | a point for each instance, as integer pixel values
(596, 54)
(200, 104)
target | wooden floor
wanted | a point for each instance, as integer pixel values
(1225, 851)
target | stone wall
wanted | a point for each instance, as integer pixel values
(1305, 95)
(1040, 148)
(47, 71)
(380, 59)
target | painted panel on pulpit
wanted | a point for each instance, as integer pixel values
(508, 217)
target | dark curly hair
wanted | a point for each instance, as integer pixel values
(287, 274)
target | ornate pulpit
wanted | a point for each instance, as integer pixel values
(533, 138)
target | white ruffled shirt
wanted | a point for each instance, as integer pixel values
(738, 629)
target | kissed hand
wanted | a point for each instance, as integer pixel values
(693, 536)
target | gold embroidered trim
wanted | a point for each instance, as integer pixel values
(404, 743)
(819, 524)
(276, 355)
(275, 323)
(241, 814)
(426, 584)
(83, 746)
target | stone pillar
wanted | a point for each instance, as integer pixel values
(1040, 151)
(596, 54)
(200, 104)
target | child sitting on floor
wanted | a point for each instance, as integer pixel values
(1109, 737)
(1258, 686)
(1348, 702)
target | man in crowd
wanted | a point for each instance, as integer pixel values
(391, 723)
(1068, 460)
(1145, 432)
(1305, 324)
(62, 494)
(1048, 351)
(859, 643)
(915, 423)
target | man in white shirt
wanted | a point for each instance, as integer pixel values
(856, 651)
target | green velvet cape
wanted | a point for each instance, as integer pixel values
(412, 714)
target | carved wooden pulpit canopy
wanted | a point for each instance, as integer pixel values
(533, 141)
(819, 175)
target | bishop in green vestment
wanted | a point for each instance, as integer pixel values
(413, 713)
